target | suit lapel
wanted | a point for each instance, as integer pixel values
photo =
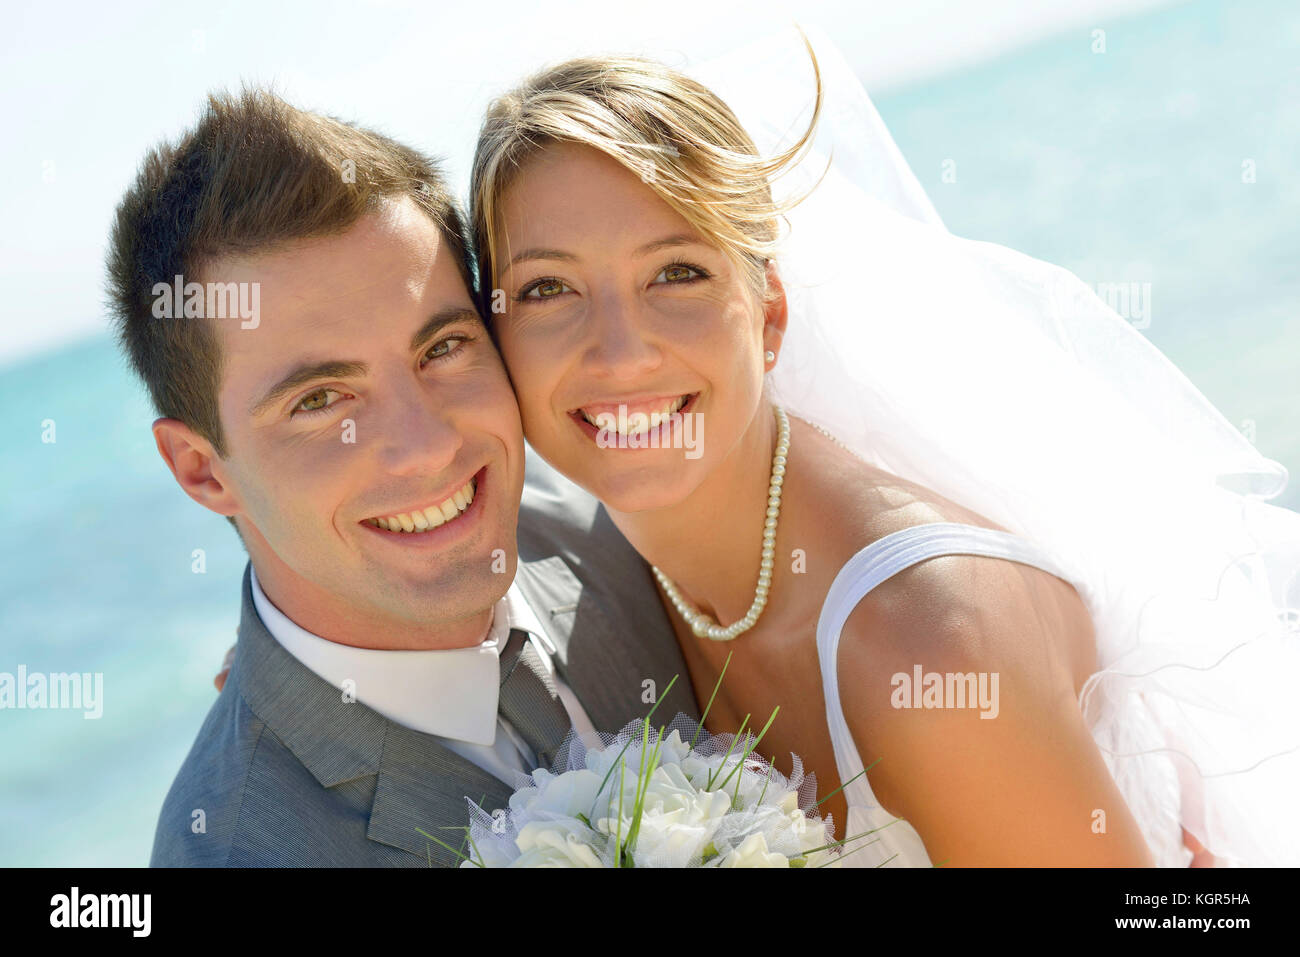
(420, 782)
(423, 785)
(610, 663)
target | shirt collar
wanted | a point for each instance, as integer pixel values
(449, 693)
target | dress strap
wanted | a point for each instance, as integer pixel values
(881, 560)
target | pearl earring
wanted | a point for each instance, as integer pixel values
(769, 355)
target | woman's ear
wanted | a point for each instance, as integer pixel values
(190, 458)
(775, 313)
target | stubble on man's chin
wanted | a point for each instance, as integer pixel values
(450, 599)
(467, 588)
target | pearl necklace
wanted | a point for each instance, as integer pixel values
(703, 625)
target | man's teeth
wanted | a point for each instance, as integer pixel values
(636, 423)
(431, 517)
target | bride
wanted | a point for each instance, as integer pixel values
(935, 501)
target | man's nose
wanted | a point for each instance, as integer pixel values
(621, 344)
(418, 433)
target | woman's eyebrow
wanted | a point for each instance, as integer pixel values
(528, 254)
(681, 239)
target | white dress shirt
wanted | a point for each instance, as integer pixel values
(449, 694)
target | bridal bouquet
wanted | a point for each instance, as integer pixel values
(654, 799)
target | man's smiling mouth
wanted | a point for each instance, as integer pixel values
(429, 517)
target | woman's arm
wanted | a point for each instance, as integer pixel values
(224, 673)
(1009, 777)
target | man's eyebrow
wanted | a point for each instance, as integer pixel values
(353, 369)
(444, 318)
(308, 372)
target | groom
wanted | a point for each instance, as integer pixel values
(296, 294)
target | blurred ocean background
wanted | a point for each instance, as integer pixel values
(1125, 166)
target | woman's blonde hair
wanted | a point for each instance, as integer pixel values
(678, 136)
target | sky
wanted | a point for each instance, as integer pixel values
(88, 87)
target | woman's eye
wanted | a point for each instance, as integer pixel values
(678, 273)
(545, 289)
(315, 401)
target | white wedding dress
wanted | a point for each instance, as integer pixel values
(893, 842)
(1006, 385)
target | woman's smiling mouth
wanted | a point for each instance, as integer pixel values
(631, 417)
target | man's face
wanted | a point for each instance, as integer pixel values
(370, 393)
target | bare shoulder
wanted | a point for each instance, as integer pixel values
(983, 749)
(963, 613)
(959, 679)
(960, 695)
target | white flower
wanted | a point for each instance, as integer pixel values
(677, 820)
(559, 843)
(753, 852)
(737, 810)
(698, 769)
(566, 795)
(673, 749)
(811, 833)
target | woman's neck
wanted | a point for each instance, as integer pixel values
(709, 543)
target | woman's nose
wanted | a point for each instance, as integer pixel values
(621, 345)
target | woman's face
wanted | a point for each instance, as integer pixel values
(617, 312)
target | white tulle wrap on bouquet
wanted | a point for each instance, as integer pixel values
(1005, 384)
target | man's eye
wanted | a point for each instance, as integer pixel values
(315, 401)
(444, 348)
(545, 289)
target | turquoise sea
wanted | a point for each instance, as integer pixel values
(1126, 166)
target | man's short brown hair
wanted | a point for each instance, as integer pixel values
(253, 173)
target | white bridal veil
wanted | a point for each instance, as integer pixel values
(1005, 384)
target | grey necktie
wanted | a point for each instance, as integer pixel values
(529, 699)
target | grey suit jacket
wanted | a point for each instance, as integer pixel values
(284, 773)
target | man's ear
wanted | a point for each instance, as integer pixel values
(775, 311)
(190, 458)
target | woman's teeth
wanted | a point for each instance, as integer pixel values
(431, 517)
(634, 423)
